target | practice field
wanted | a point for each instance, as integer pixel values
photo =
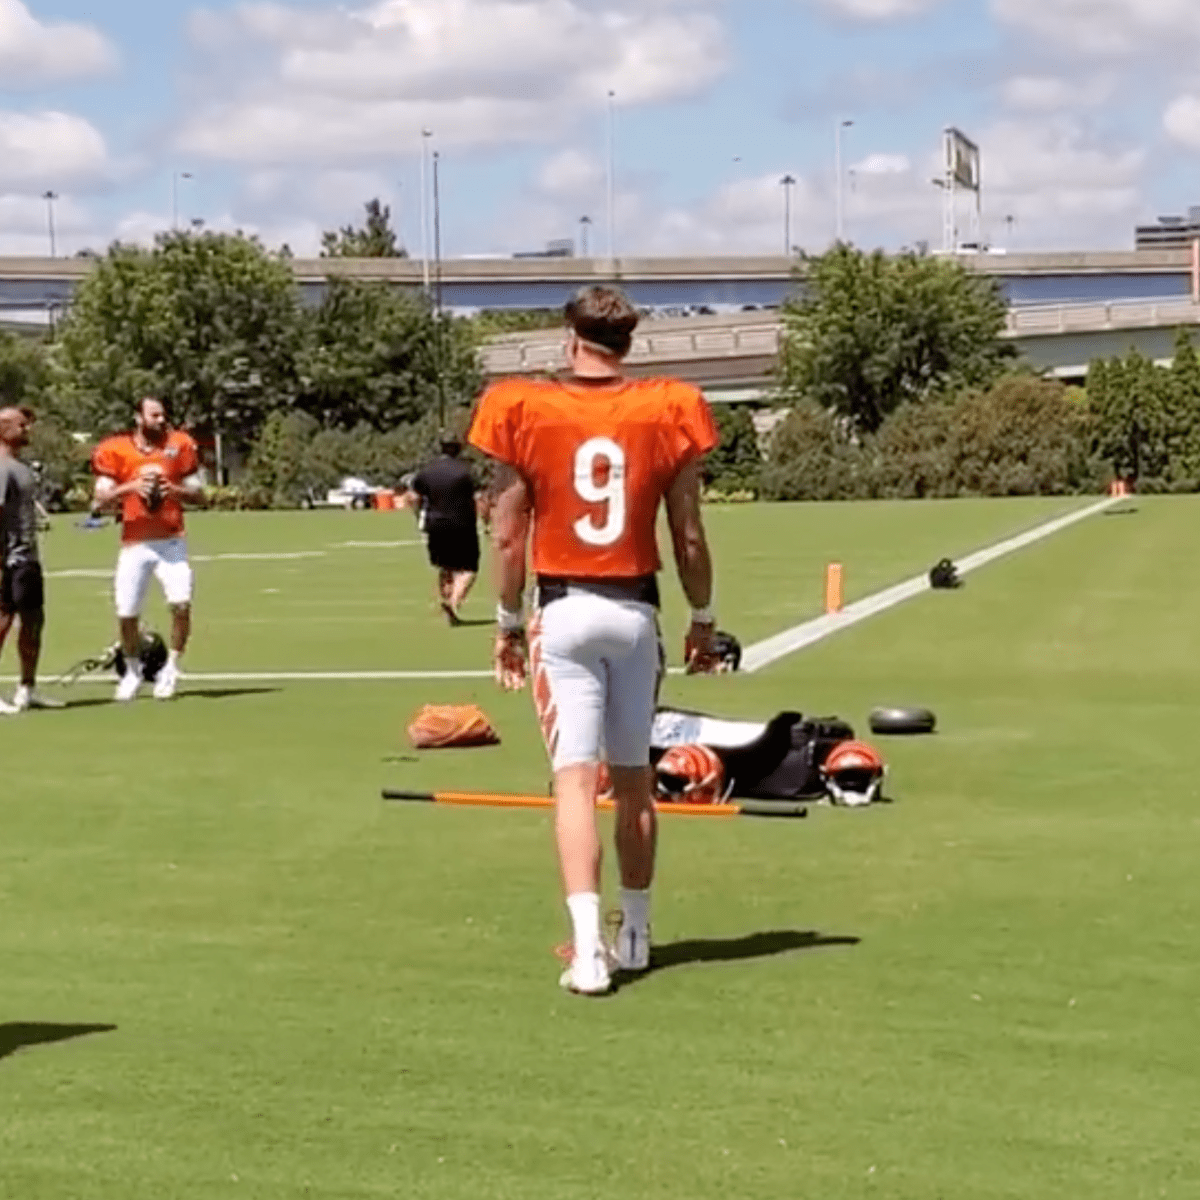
(228, 969)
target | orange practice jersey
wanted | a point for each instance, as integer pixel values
(598, 459)
(121, 459)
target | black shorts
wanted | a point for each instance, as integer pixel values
(453, 547)
(21, 589)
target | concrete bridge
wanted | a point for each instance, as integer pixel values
(664, 283)
(733, 356)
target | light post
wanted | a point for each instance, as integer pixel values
(611, 182)
(426, 134)
(176, 176)
(50, 198)
(787, 182)
(837, 168)
(437, 295)
(584, 222)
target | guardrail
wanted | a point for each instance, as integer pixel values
(543, 352)
(1049, 319)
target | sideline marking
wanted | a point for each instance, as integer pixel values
(772, 649)
(375, 545)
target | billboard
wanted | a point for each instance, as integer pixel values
(961, 160)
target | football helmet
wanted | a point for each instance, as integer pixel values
(853, 773)
(690, 774)
(152, 654)
(728, 650)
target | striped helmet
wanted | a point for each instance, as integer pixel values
(690, 774)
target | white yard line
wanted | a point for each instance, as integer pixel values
(772, 649)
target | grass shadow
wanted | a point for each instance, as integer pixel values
(192, 694)
(17, 1035)
(764, 944)
(467, 622)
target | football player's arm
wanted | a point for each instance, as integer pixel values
(189, 490)
(109, 493)
(510, 535)
(694, 563)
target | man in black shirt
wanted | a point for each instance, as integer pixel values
(444, 490)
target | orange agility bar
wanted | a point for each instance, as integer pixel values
(743, 808)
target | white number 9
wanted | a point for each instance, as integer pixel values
(588, 457)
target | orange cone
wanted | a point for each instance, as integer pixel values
(833, 588)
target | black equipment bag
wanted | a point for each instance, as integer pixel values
(779, 760)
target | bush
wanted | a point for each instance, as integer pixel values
(813, 456)
(736, 463)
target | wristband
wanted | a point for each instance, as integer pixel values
(703, 616)
(509, 622)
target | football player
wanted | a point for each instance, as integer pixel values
(149, 475)
(583, 463)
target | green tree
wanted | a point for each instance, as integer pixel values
(376, 239)
(873, 331)
(1132, 404)
(735, 465)
(380, 356)
(210, 323)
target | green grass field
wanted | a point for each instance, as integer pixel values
(228, 969)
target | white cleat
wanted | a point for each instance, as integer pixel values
(26, 697)
(631, 950)
(166, 681)
(8, 710)
(587, 976)
(127, 686)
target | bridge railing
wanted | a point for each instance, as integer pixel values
(1050, 319)
(542, 353)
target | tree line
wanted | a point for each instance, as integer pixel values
(893, 373)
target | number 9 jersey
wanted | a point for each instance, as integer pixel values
(598, 457)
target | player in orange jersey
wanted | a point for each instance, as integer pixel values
(149, 475)
(583, 463)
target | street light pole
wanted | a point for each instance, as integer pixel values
(584, 222)
(50, 198)
(176, 176)
(437, 296)
(837, 167)
(426, 134)
(611, 188)
(788, 182)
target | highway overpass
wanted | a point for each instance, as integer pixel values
(729, 283)
(733, 356)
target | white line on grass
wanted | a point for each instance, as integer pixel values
(772, 649)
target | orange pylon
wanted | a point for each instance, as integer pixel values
(833, 588)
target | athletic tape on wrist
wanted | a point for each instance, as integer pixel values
(509, 622)
(704, 616)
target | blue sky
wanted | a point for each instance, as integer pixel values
(282, 117)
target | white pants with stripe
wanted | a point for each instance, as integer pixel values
(166, 560)
(595, 664)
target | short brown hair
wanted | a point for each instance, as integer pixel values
(604, 317)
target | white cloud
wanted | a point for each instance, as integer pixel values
(1053, 94)
(349, 85)
(883, 164)
(1182, 121)
(1108, 27)
(33, 52)
(49, 150)
(879, 10)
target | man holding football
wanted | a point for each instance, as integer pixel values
(583, 463)
(148, 475)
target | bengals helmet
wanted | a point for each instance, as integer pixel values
(853, 773)
(690, 774)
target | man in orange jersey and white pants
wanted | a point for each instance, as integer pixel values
(148, 475)
(583, 463)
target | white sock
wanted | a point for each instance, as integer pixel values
(173, 658)
(133, 666)
(635, 907)
(584, 908)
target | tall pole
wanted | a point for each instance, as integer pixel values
(176, 176)
(584, 222)
(50, 198)
(612, 192)
(837, 168)
(787, 181)
(426, 134)
(437, 295)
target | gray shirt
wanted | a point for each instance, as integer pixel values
(18, 520)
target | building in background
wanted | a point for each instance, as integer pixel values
(1169, 233)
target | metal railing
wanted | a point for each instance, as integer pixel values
(1049, 319)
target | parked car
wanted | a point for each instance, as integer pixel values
(350, 493)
